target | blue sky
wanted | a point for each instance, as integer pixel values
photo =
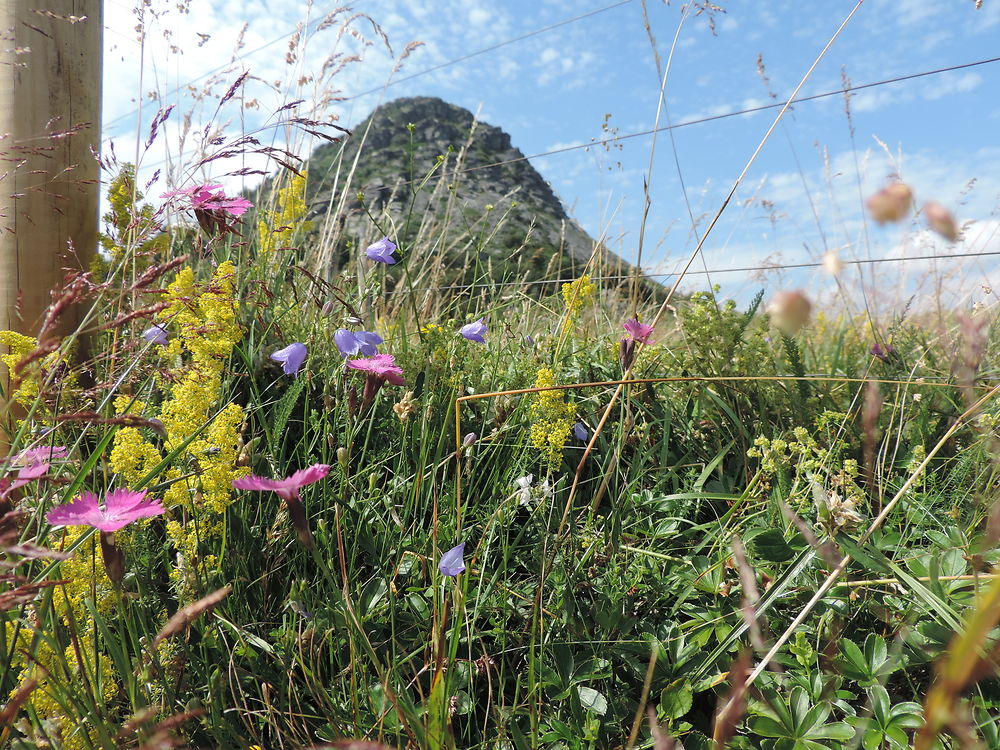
(558, 87)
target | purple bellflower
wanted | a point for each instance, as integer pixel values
(351, 343)
(288, 490)
(580, 432)
(291, 358)
(382, 251)
(474, 331)
(451, 561)
(156, 334)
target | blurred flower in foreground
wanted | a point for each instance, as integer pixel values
(474, 331)
(832, 263)
(891, 203)
(121, 507)
(156, 334)
(580, 432)
(28, 474)
(941, 220)
(291, 358)
(382, 251)
(41, 454)
(288, 490)
(451, 561)
(350, 343)
(637, 334)
(789, 311)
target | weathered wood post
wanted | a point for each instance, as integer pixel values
(50, 129)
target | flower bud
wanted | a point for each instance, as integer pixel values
(469, 439)
(941, 220)
(342, 457)
(891, 203)
(114, 560)
(789, 311)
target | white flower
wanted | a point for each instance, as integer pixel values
(523, 492)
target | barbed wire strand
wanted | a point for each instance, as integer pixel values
(675, 126)
(701, 120)
(710, 271)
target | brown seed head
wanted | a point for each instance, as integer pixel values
(790, 311)
(941, 220)
(891, 203)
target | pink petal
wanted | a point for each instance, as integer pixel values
(122, 507)
(82, 511)
(286, 488)
(309, 475)
(40, 454)
(360, 364)
(260, 484)
(35, 471)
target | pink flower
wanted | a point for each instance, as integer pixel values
(637, 334)
(39, 454)
(381, 366)
(213, 210)
(121, 507)
(203, 199)
(26, 475)
(637, 331)
(287, 489)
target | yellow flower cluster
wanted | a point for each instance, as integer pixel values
(277, 228)
(205, 317)
(33, 375)
(576, 294)
(20, 347)
(551, 419)
(84, 579)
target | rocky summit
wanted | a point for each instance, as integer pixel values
(433, 176)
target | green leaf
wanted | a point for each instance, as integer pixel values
(771, 546)
(839, 731)
(676, 699)
(765, 726)
(283, 410)
(591, 700)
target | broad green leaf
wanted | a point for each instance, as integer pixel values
(591, 700)
(676, 699)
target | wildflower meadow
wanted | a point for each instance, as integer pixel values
(256, 500)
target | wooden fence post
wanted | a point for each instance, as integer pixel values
(50, 130)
